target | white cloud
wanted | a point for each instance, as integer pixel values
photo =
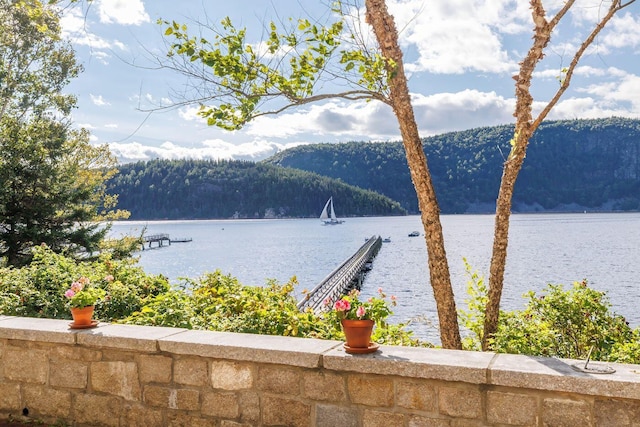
(458, 36)
(625, 91)
(444, 112)
(623, 32)
(77, 27)
(209, 149)
(125, 12)
(98, 100)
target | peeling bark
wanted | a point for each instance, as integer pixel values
(524, 128)
(387, 36)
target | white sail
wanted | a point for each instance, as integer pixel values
(328, 215)
(325, 214)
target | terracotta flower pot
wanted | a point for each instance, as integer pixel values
(82, 316)
(357, 332)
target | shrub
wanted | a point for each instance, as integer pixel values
(557, 323)
(37, 290)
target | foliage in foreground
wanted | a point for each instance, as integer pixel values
(37, 290)
(213, 302)
(219, 302)
(557, 323)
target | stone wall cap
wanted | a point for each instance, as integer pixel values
(547, 373)
(127, 337)
(37, 329)
(302, 352)
(447, 365)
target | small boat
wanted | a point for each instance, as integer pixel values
(328, 215)
(386, 240)
(414, 234)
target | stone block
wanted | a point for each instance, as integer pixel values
(154, 369)
(617, 413)
(279, 380)
(460, 402)
(420, 421)
(97, 410)
(413, 362)
(190, 371)
(110, 355)
(138, 415)
(324, 386)
(117, 378)
(382, 419)
(370, 390)
(228, 423)
(285, 412)
(179, 419)
(31, 329)
(10, 397)
(231, 375)
(332, 416)
(134, 338)
(68, 374)
(67, 352)
(26, 365)
(302, 352)
(511, 408)
(45, 401)
(566, 413)
(416, 395)
(221, 405)
(249, 406)
(165, 397)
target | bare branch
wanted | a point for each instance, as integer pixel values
(615, 7)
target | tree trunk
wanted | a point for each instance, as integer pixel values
(387, 36)
(524, 129)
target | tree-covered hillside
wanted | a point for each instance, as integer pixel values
(198, 189)
(570, 165)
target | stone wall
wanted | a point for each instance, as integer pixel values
(120, 375)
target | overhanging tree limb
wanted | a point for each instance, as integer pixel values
(239, 79)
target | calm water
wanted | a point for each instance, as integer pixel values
(543, 248)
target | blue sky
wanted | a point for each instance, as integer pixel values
(459, 57)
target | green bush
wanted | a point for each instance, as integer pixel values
(219, 302)
(37, 290)
(557, 323)
(213, 302)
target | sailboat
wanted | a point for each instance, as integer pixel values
(328, 215)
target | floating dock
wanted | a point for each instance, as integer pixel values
(161, 238)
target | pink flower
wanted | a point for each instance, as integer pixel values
(342, 305)
(76, 286)
(393, 298)
(108, 278)
(70, 293)
(360, 311)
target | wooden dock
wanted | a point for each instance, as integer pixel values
(349, 275)
(161, 239)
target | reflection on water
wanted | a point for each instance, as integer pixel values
(543, 248)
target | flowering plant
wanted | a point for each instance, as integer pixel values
(82, 294)
(375, 308)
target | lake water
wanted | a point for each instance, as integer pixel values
(543, 248)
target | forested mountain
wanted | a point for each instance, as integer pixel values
(199, 189)
(570, 165)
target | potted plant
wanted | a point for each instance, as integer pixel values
(82, 297)
(357, 319)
